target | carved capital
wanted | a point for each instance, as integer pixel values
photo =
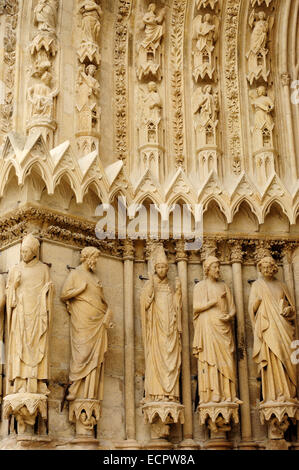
(262, 250)
(285, 79)
(166, 412)
(219, 416)
(128, 250)
(25, 407)
(181, 254)
(85, 413)
(278, 416)
(209, 248)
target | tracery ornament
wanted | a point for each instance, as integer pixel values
(120, 80)
(11, 11)
(177, 40)
(233, 115)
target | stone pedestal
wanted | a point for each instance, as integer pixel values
(85, 414)
(161, 415)
(278, 415)
(25, 407)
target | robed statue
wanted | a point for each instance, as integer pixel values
(90, 319)
(161, 310)
(213, 344)
(272, 313)
(29, 312)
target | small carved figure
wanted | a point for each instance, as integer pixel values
(151, 104)
(45, 15)
(149, 54)
(91, 25)
(205, 32)
(41, 96)
(258, 52)
(205, 107)
(272, 314)
(263, 127)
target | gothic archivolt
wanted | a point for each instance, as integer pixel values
(163, 102)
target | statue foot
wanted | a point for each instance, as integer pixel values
(216, 398)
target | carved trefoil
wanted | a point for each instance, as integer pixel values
(258, 53)
(161, 310)
(29, 312)
(150, 132)
(205, 34)
(205, 109)
(149, 49)
(90, 319)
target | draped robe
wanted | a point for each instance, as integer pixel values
(213, 343)
(273, 335)
(161, 327)
(83, 294)
(29, 312)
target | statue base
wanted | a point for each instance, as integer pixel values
(25, 407)
(219, 415)
(188, 444)
(128, 444)
(278, 416)
(85, 413)
(161, 415)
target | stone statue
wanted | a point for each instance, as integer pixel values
(205, 32)
(149, 54)
(161, 311)
(263, 106)
(45, 15)
(29, 310)
(90, 14)
(272, 314)
(88, 91)
(91, 25)
(205, 107)
(90, 319)
(213, 345)
(41, 96)
(151, 103)
(257, 54)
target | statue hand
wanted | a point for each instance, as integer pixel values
(288, 312)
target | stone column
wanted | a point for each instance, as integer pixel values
(295, 277)
(181, 259)
(287, 268)
(246, 432)
(128, 257)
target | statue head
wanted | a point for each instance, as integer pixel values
(261, 91)
(29, 248)
(47, 78)
(152, 7)
(152, 86)
(207, 18)
(91, 70)
(268, 267)
(211, 267)
(160, 263)
(89, 257)
(261, 15)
